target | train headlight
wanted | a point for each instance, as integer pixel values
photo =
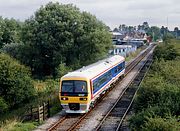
(64, 98)
(83, 99)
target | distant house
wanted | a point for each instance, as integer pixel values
(117, 37)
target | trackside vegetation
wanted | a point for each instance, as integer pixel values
(157, 105)
(15, 82)
(34, 54)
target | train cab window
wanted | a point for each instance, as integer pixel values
(67, 86)
(80, 86)
(74, 86)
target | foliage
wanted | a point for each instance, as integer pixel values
(15, 82)
(9, 31)
(17, 125)
(140, 118)
(154, 32)
(55, 106)
(161, 124)
(62, 69)
(27, 126)
(62, 34)
(3, 105)
(163, 95)
(158, 101)
(12, 49)
(166, 52)
(167, 38)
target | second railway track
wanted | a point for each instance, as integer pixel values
(71, 122)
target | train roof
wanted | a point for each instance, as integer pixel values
(93, 70)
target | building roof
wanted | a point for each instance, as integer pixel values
(116, 33)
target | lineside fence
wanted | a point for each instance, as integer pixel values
(42, 110)
(38, 113)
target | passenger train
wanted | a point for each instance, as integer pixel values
(80, 89)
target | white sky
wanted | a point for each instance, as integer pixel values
(111, 12)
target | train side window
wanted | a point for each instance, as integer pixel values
(95, 85)
(109, 75)
(116, 70)
(119, 67)
(100, 81)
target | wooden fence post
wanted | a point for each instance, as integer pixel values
(48, 108)
(44, 104)
(40, 113)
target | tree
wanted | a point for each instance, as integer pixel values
(154, 32)
(9, 31)
(62, 34)
(145, 26)
(15, 82)
(116, 30)
(120, 27)
(176, 31)
(123, 27)
(140, 27)
(3, 105)
(2, 26)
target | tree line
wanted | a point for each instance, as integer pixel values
(152, 31)
(56, 34)
(56, 39)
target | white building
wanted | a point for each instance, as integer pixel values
(123, 50)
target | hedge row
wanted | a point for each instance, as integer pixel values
(158, 101)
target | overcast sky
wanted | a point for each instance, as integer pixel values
(111, 12)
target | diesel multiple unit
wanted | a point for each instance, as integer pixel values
(80, 89)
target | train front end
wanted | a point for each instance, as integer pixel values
(75, 94)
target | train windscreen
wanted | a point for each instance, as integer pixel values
(74, 88)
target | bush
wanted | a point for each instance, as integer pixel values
(169, 70)
(15, 81)
(158, 101)
(166, 52)
(156, 92)
(140, 118)
(149, 93)
(3, 105)
(61, 70)
(161, 124)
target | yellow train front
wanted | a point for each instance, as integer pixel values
(75, 94)
(80, 89)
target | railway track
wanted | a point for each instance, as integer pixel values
(115, 116)
(71, 122)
